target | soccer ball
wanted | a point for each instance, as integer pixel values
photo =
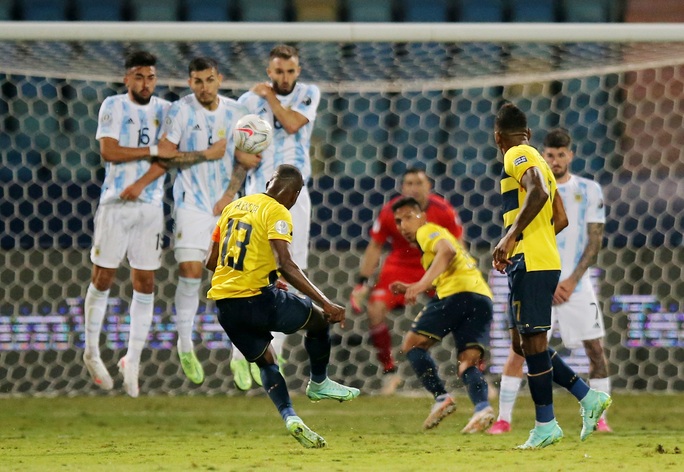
(252, 134)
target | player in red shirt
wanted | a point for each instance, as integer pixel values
(402, 263)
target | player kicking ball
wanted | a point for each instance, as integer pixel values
(251, 248)
(462, 306)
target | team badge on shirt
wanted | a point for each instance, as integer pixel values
(520, 160)
(282, 227)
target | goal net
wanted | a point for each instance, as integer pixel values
(392, 97)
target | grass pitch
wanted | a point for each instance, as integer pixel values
(368, 434)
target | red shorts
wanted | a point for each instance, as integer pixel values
(381, 291)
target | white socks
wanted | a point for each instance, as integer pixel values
(508, 392)
(142, 308)
(95, 306)
(187, 303)
(602, 385)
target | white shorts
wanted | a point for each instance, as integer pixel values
(134, 229)
(579, 319)
(192, 234)
(301, 222)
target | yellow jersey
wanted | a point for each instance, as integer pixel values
(538, 241)
(246, 262)
(462, 274)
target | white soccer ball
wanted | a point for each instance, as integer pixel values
(252, 134)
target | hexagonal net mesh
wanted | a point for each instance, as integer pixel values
(384, 107)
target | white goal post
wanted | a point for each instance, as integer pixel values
(393, 96)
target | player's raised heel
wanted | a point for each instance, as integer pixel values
(591, 408)
(241, 374)
(191, 367)
(330, 390)
(303, 434)
(129, 370)
(543, 436)
(98, 372)
(480, 421)
(440, 410)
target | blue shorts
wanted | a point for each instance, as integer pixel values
(530, 297)
(248, 321)
(466, 315)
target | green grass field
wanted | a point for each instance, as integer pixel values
(370, 433)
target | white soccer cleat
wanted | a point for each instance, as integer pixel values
(440, 410)
(480, 421)
(129, 370)
(98, 372)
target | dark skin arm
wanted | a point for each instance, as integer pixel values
(291, 272)
(294, 275)
(536, 196)
(560, 218)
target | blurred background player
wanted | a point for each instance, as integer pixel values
(251, 247)
(130, 217)
(575, 307)
(291, 106)
(402, 263)
(200, 125)
(462, 307)
(527, 253)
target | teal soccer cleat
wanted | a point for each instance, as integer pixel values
(591, 408)
(542, 436)
(330, 390)
(301, 432)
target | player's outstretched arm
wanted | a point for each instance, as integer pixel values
(291, 272)
(171, 157)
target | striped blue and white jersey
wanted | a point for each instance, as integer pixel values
(583, 201)
(194, 128)
(286, 148)
(132, 125)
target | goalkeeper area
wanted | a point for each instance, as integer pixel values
(392, 98)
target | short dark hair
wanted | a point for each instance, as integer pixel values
(289, 172)
(140, 59)
(405, 201)
(284, 51)
(557, 138)
(510, 118)
(202, 63)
